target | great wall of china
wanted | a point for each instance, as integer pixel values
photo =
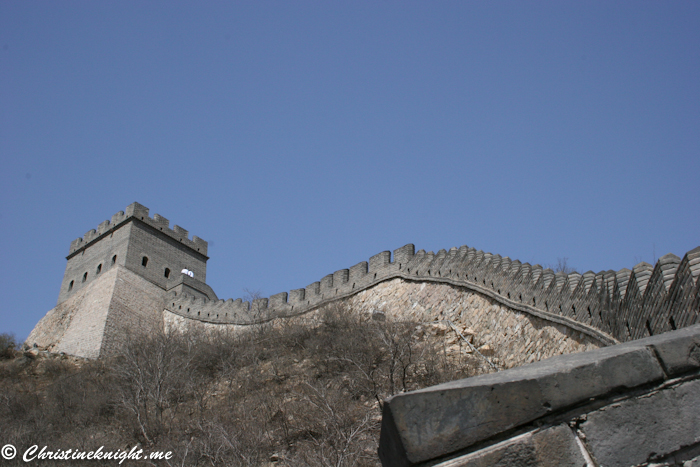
(609, 306)
(128, 270)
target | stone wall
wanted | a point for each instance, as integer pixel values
(627, 405)
(90, 323)
(506, 337)
(136, 305)
(467, 322)
(607, 306)
(91, 262)
(76, 325)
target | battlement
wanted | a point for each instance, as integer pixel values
(145, 245)
(138, 212)
(608, 306)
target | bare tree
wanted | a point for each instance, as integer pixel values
(257, 301)
(152, 376)
(305, 391)
(562, 266)
(339, 442)
(8, 345)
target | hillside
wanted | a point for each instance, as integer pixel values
(304, 392)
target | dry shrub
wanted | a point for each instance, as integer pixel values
(292, 393)
(8, 346)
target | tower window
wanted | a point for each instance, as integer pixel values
(167, 273)
(114, 259)
(99, 268)
(70, 286)
(144, 261)
(84, 277)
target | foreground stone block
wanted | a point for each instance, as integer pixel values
(552, 447)
(679, 351)
(645, 428)
(439, 420)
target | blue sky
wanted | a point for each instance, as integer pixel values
(300, 138)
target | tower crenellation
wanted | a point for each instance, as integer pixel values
(140, 212)
(145, 245)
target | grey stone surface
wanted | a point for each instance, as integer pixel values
(136, 304)
(644, 428)
(513, 338)
(679, 351)
(442, 419)
(551, 447)
(91, 322)
(608, 306)
(436, 421)
(130, 237)
(76, 325)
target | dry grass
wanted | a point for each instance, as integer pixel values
(285, 395)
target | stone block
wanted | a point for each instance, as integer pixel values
(552, 447)
(443, 419)
(645, 428)
(679, 351)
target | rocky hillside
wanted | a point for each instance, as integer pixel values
(303, 392)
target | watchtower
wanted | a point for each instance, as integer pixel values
(117, 278)
(145, 246)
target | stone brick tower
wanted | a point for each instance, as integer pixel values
(116, 277)
(145, 246)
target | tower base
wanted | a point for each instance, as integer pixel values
(91, 323)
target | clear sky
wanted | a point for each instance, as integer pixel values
(300, 138)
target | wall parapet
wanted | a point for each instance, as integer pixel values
(651, 382)
(609, 306)
(139, 212)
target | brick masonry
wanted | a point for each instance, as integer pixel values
(608, 306)
(144, 245)
(580, 311)
(115, 280)
(502, 336)
(90, 323)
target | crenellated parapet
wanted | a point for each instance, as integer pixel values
(139, 212)
(145, 245)
(610, 306)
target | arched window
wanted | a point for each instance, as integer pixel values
(114, 259)
(144, 261)
(84, 277)
(70, 286)
(167, 273)
(99, 268)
